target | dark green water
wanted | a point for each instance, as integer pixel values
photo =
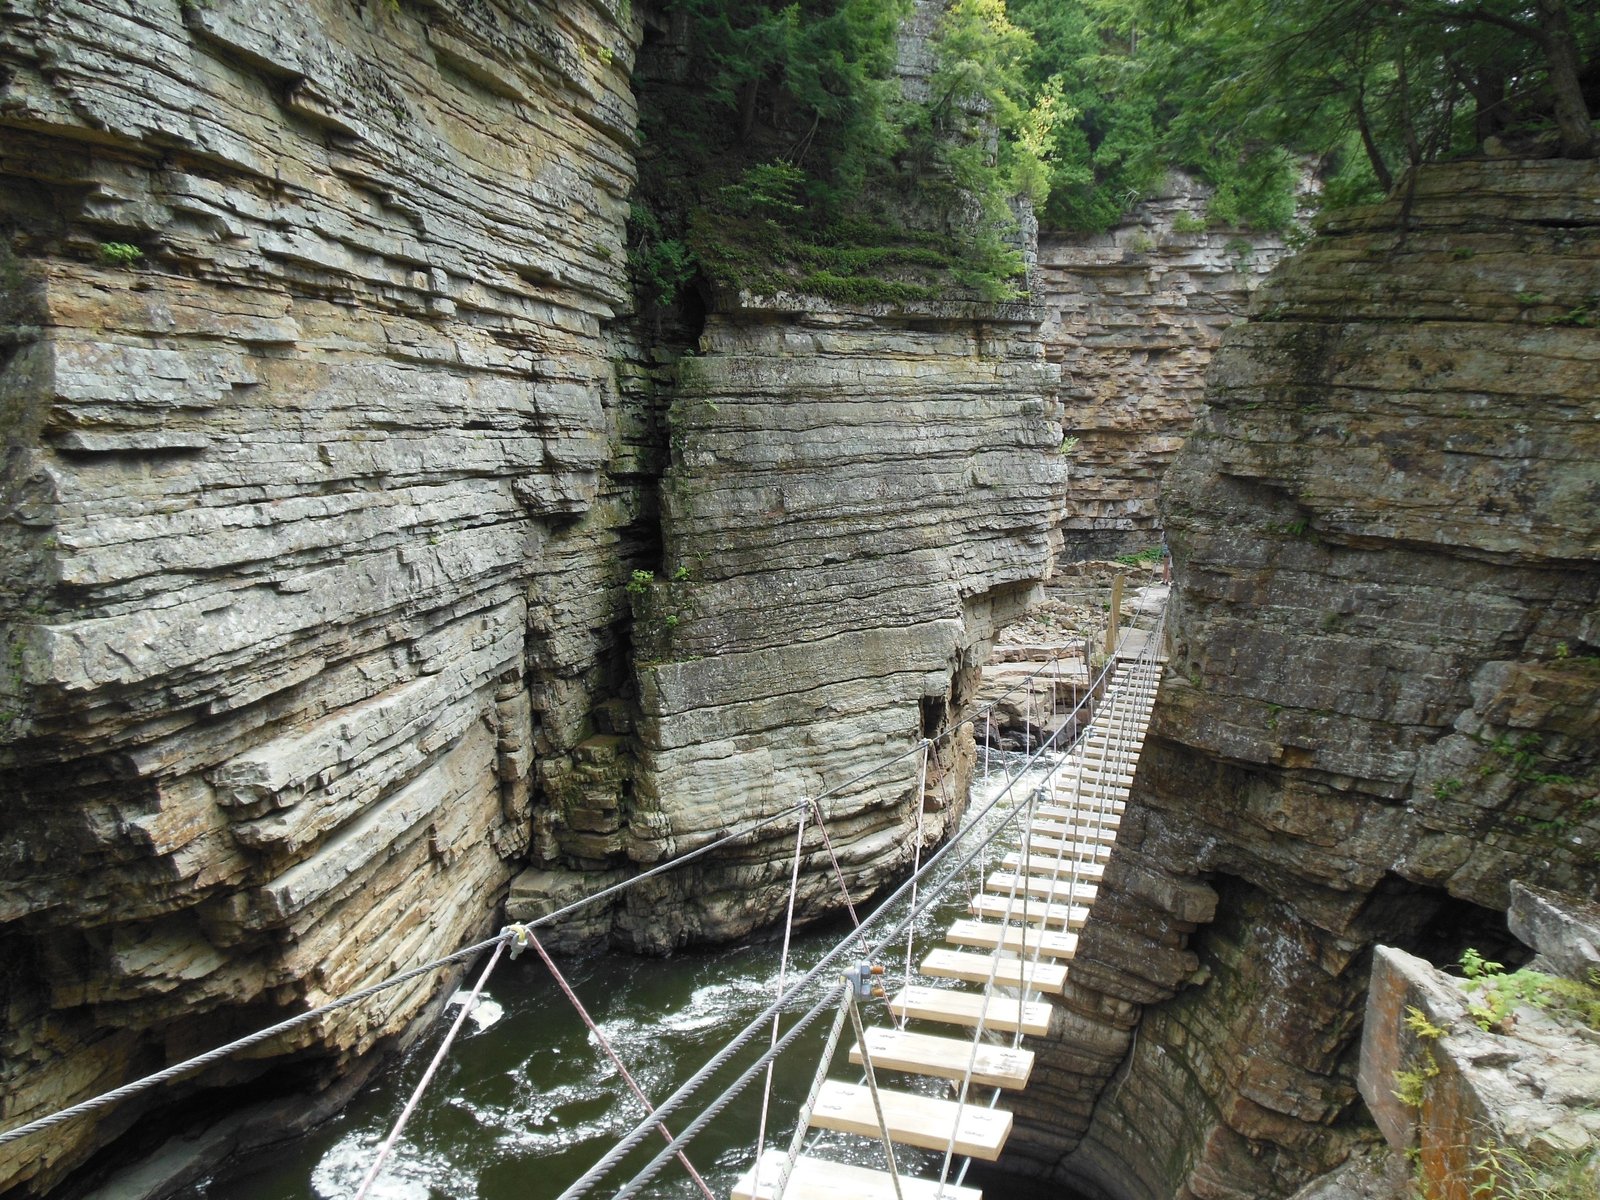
(526, 1103)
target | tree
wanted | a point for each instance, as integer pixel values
(1412, 80)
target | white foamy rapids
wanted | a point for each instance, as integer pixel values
(409, 1173)
(485, 1012)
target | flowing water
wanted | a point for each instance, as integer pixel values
(526, 1103)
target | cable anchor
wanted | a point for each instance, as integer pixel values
(865, 979)
(520, 937)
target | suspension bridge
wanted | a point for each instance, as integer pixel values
(1011, 954)
(930, 1069)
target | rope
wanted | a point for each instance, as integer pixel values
(199, 1062)
(838, 872)
(988, 991)
(189, 1066)
(713, 1110)
(427, 1076)
(606, 1048)
(877, 1101)
(783, 975)
(803, 1122)
(632, 1139)
(916, 859)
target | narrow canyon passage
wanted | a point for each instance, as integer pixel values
(526, 1102)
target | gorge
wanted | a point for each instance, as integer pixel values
(373, 567)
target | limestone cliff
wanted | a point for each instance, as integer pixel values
(1382, 702)
(353, 562)
(306, 375)
(1132, 317)
(856, 504)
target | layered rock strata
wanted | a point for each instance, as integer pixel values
(305, 377)
(1133, 316)
(340, 580)
(1491, 1084)
(1381, 706)
(856, 504)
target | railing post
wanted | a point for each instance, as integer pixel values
(1114, 616)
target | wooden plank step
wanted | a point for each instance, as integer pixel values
(1074, 810)
(1092, 832)
(1089, 847)
(945, 1058)
(1051, 943)
(1047, 865)
(1092, 781)
(1092, 838)
(819, 1179)
(1042, 887)
(913, 1120)
(974, 968)
(1091, 856)
(1067, 849)
(1001, 1014)
(1001, 908)
(1065, 801)
(1095, 770)
(1045, 854)
(1116, 756)
(1069, 795)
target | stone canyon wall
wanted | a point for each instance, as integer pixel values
(855, 506)
(1381, 707)
(1132, 317)
(362, 554)
(306, 378)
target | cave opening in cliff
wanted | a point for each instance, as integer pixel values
(1436, 926)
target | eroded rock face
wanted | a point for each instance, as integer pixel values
(331, 453)
(1382, 703)
(279, 478)
(1133, 316)
(856, 504)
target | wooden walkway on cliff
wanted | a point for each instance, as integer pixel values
(995, 977)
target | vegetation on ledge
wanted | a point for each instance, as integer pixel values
(794, 146)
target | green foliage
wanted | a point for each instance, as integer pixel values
(1585, 315)
(1411, 1085)
(639, 583)
(1505, 1173)
(660, 265)
(1141, 558)
(1521, 757)
(681, 575)
(1500, 992)
(792, 161)
(1417, 1021)
(1369, 86)
(120, 254)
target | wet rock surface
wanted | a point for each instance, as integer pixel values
(1381, 706)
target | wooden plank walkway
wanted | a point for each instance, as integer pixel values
(1024, 918)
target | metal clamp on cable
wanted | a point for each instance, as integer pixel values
(864, 978)
(519, 935)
